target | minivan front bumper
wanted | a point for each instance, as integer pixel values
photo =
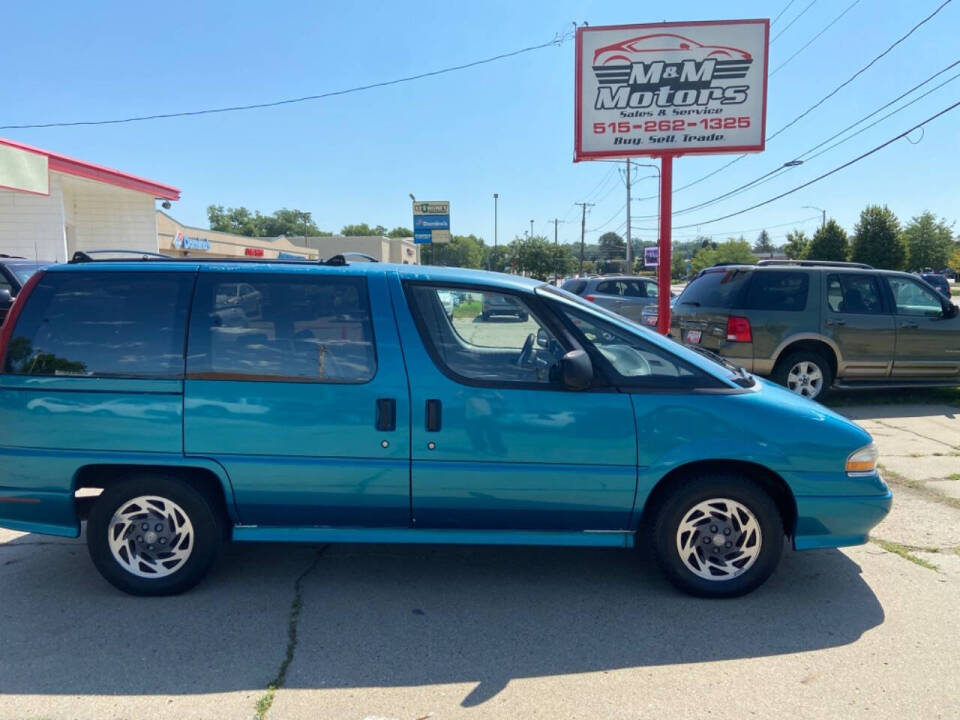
(830, 521)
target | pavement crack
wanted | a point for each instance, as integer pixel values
(296, 605)
(918, 434)
(904, 551)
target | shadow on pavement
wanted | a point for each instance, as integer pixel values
(895, 402)
(399, 616)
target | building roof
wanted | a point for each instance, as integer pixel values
(82, 168)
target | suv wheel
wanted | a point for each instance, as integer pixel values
(805, 373)
(718, 536)
(153, 535)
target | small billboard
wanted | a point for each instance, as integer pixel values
(671, 88)
(431, 222)
(651, 256)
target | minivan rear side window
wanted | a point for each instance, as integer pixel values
(783, 290)
(281, 328)
(716, 289)
(103, 324)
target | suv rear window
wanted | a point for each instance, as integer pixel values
(716, 289)
(103, 324)
(778, 290)
(575, 286)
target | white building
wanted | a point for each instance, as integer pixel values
(52, 205)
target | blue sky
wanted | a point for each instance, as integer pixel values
(505, 127)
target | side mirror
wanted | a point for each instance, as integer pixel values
(543, 340)
(950, 311)
(576, 370)
(6, 299)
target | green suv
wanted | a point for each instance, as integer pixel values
(812, 325)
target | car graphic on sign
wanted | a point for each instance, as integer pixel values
(634, 49)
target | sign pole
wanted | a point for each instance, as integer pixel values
(666, 223)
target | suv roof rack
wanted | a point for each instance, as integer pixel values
(84, 256)
(817, 263)
(12, 257)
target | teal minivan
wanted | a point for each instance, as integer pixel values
(174, 405)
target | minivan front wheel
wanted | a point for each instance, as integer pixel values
(804, 373)
(153, 535)
(718, 536)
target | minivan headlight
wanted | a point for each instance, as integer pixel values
(863, 461)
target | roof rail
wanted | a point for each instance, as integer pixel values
(817, 263)
(82, 256)
(342, 258)
(12, 257)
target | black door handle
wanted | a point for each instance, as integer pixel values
(911, 325)
(836, 322)
(433, 415)
(386, 414)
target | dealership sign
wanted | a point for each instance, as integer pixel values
(431, 222)
(671, 88)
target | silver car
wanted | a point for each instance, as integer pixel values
(623, 294)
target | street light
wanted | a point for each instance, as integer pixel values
(495, 197)
(824, 212)
(531, 228)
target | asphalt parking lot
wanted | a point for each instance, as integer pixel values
(445, 632)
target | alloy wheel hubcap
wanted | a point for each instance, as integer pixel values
(150, 536)
(719, 539)
(805, 378)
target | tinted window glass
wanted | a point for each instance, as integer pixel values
(778, 290)
(634, 288)
(281, 327)
(103, 324)
(715, 289)
(912, 298)
(23, 272)
(854, 294)
(492, 348)
(636, 361)
(575, 286)
(611, 287)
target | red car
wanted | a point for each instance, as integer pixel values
(625, 52)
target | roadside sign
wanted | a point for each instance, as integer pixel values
(431, 222)
(678, 88)
(651, 256)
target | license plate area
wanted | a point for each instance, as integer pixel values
(692, 337)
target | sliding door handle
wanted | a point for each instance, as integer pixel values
(386, 416)
(433, 419)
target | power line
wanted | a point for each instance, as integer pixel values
(806, 112)
(783, 168)
(826, 174)
(813, 39)
(557, 40)
(780, 14)
(790, 24)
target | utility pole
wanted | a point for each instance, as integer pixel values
(629, 267)
(556, 243)
(531, 228)
(583, 230)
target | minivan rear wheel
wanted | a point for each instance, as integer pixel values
(805, 373)
(153, 535)
(718, 536)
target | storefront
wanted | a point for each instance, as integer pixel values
(174, 238)
(52, 205)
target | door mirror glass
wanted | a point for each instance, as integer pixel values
(543, 339)
(6, 299)
(577, 370)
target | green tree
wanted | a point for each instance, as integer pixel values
(877, 240)
(678, 265)
(829, 243)
(955, 259)
(731, 251)
(362, 229)
(240, 221)
(612, 246)
(763, 245)
(400, 232)
(496, 258)
(538, 257)
(797, 245)
(929, 242)
(464, 251)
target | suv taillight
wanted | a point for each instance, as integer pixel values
(591, 298)
(738, 329)
(13, 313)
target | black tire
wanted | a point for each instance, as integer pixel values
(485, 316)
(208, 529)
(781, 373)
(665, 532)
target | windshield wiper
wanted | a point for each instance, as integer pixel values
(743, 378)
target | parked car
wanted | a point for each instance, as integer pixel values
(937, 281)
(812, 325)
(14, 273)
(500, 305)
(352, 409)
(650, 315)
(626, 295)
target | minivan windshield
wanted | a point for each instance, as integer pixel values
(735, 374)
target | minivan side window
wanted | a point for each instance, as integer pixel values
(103, 324)
(501, 350)
(778, 290)
(854, 294)
(281, 328)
